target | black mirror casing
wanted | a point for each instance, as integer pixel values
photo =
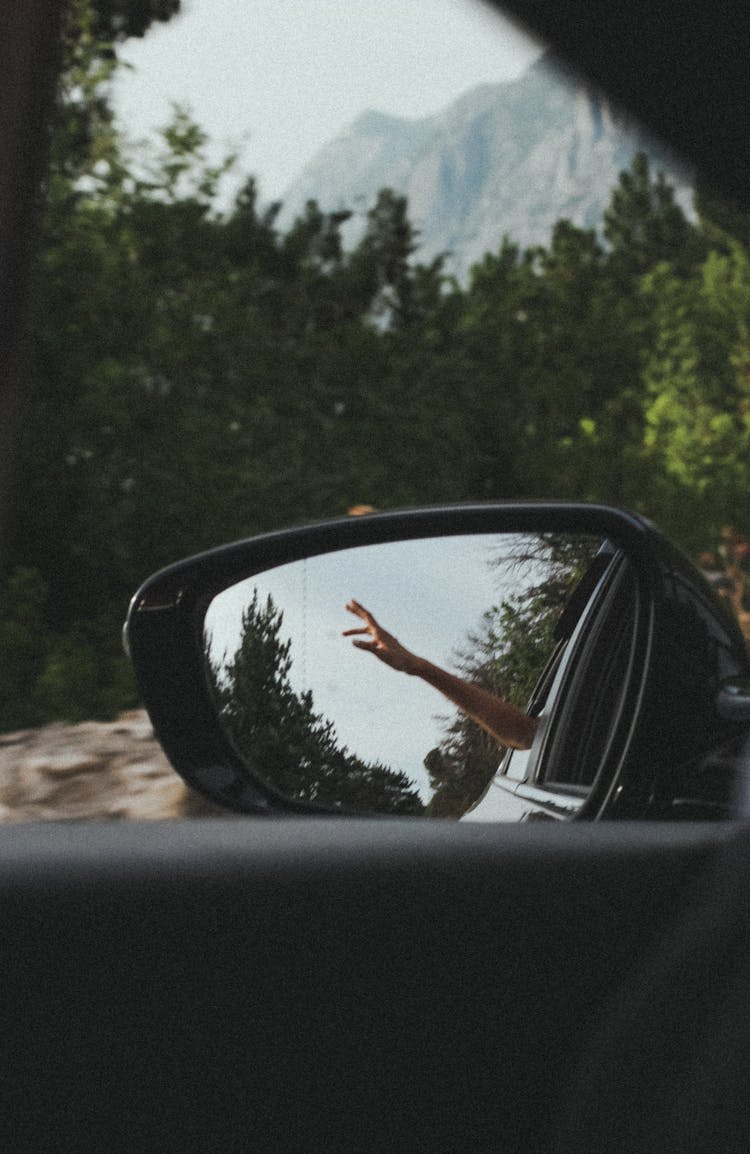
(655, 743)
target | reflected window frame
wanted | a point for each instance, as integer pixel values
(536, 772)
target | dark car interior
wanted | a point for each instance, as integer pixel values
(292, 983)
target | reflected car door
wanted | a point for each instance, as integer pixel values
(577, 701)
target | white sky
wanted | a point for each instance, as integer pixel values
(431, 593)
(280, 78)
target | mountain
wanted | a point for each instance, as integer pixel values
(508, 158)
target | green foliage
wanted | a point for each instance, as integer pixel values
(722, 224)
(49, 675)
(22, 644)
(697, 389)
(507, 655)
(295, 748)
(197, 375)
(644, 225)
(118, 19)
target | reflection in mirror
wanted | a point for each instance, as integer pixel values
(392, 677)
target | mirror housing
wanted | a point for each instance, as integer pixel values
(644, 744)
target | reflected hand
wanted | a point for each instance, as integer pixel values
(508, 724)
(383, 644)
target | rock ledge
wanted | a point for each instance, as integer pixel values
(92, 770)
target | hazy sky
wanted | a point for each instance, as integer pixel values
(431, 593)
(279, 78)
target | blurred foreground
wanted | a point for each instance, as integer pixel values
(92, 770)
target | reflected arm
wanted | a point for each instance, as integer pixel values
(508, 724)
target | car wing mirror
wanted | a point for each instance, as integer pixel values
(426, 663)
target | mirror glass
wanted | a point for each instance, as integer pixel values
(393, 677)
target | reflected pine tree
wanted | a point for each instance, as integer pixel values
(295, 749)
(507, 655)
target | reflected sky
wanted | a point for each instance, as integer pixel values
(430, 593)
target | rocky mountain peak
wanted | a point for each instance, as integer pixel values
(503, 159)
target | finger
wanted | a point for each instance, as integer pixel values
(351, 632)
(359, 611)
(371, 646)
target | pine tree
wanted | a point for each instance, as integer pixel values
(293, 748)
